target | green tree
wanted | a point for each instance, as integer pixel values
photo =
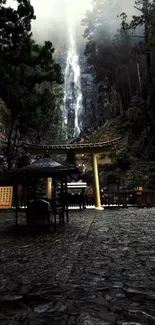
(145, 9)
(109, 57)
(29, 84)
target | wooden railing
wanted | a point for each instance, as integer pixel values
(130, 198)
(76, 200)
(121, 199)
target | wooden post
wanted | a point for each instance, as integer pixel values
(49, 188)
(62, 200)
(17, 206)
(35, 188)
(96, 182)
(54, 205)
(66, 199)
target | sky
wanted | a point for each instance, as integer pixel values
(52, 16)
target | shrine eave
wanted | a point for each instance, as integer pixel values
(77, 148)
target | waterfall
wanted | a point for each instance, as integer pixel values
(73, 92)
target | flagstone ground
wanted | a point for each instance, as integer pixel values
(99, 269)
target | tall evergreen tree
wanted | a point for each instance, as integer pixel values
(29, 80)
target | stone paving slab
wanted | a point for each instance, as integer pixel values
(98, 270)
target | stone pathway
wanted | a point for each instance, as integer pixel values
(98, 270)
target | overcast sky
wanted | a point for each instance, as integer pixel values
(52, 16)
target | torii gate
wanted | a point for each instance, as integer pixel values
(71, 150)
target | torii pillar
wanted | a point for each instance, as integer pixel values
(96, 182)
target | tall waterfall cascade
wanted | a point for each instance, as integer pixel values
(73, 92)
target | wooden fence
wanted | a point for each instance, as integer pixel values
(121, 199)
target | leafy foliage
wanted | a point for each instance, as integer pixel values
(30, 84)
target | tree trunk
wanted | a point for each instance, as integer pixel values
(146, 36)
(139, 79)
